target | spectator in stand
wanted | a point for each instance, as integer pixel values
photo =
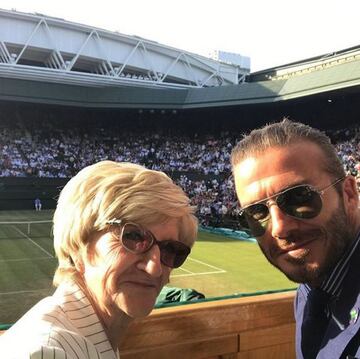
(119, 230)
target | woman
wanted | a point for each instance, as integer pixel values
(119, 230)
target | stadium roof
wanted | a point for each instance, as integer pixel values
(29, 82)
(39, 47)
(342, 76)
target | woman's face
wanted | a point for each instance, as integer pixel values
(121, 280)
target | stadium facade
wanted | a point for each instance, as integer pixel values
(52, 61)
(55, 70)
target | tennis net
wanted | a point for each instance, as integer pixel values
(23, 229)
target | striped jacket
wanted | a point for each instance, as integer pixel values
(63, 326)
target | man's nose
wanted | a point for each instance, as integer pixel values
(281, 223)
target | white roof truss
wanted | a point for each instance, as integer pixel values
(98, 57)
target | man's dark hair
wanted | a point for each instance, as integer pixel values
(286, 133)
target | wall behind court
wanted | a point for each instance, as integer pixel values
(17, 193)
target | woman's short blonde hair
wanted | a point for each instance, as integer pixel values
(109, 190)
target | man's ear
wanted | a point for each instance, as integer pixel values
(351, 195)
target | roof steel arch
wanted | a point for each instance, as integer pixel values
(35, 45)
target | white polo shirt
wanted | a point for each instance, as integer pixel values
(64, 325)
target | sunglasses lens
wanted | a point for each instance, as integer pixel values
(254, 219)
(300, 202)
(255, 227)
(135, 239)
(257, 212)
(173, 253)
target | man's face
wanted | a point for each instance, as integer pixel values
(303, 249)
(122, 281)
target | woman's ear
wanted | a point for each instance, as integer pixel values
(78, 263)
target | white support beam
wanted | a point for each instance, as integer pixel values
(28, 40)
(127, 59)
(83, 49)
(5, 54)
(74, 59)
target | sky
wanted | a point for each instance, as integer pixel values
(270, 32)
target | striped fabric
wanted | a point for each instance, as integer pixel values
(333, 284)
(63, 326)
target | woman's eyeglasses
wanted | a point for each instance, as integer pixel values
(302, 202)
(136, 239)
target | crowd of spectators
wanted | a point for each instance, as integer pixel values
(347, 142)
(55, 152)
(200, 163)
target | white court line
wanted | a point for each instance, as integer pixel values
(23, 291)
(25, 259)
(217, 270)
(44, 250)
(196, 274)
(186, 270)
(205, 264)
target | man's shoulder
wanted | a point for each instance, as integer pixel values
(302, 293)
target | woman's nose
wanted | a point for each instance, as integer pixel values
(151, 262)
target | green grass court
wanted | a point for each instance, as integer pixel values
(218, 266)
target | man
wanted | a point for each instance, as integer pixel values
(298, 202)
(37, 204)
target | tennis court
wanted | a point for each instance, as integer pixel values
(217, 266)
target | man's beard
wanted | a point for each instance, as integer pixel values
(338, 236)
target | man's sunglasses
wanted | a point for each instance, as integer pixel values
(302, 202)
(136, 239)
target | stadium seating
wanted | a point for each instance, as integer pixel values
(199, 162)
